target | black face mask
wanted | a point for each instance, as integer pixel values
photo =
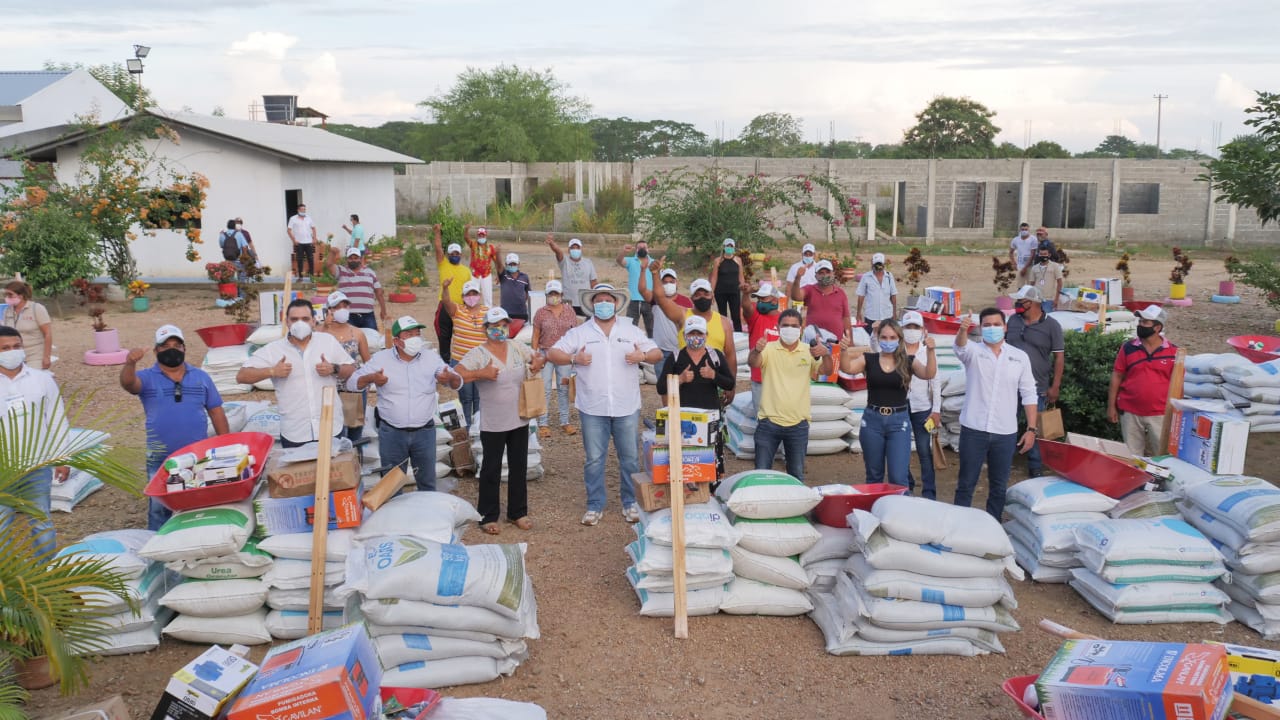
(171, 357)
(642, 253)
(354, 264)
(1145, 332)
(702, 304)
(1042, 259)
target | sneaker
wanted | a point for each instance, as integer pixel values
(569, 429)
(592, 517)
(631, 513)
(544, 432)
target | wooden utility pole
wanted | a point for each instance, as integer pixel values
(320, 514)
(675, 450)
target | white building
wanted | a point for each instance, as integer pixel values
(36, 100)
(260, 172)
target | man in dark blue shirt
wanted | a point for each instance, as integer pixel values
(178, 400)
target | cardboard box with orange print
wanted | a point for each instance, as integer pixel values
(333, 675)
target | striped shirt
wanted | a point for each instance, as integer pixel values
(468, 330)
(358, 285)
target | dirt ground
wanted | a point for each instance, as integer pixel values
(597, 657)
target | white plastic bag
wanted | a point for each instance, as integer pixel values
(705, 525)
(782, 537)
(247, 629)
(781, 571)
(748, 597)
(216, 598)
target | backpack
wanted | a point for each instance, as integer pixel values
(230, 246)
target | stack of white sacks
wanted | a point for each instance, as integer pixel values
(1254, 391)
(223, 598)
(831, 428)
(222, 364)
(534, 469)
(288, 581)
(147, 581)
(709, 538)
(1204, 374)
(927, 580)
(65, 496)
(441, 613)
(953, 387)
(1043, 515)
(769, 509)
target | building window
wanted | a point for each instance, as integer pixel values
(1070, 204)
(1139, 198)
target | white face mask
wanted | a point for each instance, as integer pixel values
(913, 337)
(342, 315)
(670, 289)
(300, 329)
(789, 335)
(414, 346)
(13, 359)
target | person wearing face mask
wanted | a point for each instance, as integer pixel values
(484, 261)
(998, 377)
(498, 367)
(513, 293)
(726, 282)
(703, 375)
(639, 309)
(302, 233)
(925, 399)
(880, 293)
(407, 376)
(802, 272)
(26, 391)
(1021, 249)
(666, 332)
(360, 284)
(550, 323)
(356, 231)
(761, 309)
(300, 366)
(1046, 275)
(32, 321)
(179, 400)
(719, 329)
(576, 271)
(605, 354)
(450, 268)
(825, 304)
(338, 324)
(468, 332)
(1140, 384)
(234, 245)
(1040, 337)
(885, 433)
(786, 364)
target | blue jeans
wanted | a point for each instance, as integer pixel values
(996, 451)
(793, 439)
(36, 486)
(886, 438)
(469, 396)
(553, 379)
(924, 451)
(1034, 464)
(364, 320)
(596, 431)
(417, 446)
(157, 514)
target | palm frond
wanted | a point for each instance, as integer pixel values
(13, 699)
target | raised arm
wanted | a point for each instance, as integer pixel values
(927, 370)
(129, 379)
(674, 312)
(646, 292)
(436, 243)
(555, 249)
(748, 304)
(797, 292)
(621, 259)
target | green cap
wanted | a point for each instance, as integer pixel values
(405, 323)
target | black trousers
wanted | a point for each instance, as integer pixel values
(444, 332)
(305, 252)
(730, 305)
(516, 445)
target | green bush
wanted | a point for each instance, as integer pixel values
(549, 192)
(1259, 271)
(51, 248)
(1086, 376)
(617, 202)
(523, 217)
(451, 224)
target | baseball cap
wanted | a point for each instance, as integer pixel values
(693, 323)
(169, 331)
(481, 231)
(454, 248)
(470, 286)
(1154, 313)
(877, 258)
(575, 242)
(808, 248)
(336, 297)
(513, 259)
(911, 317)
(766, 291)
(1028, 292)
(666, 273)
(699, 284)
(554, 286)
(823, 265)
(353, 251)
(495, 315)
(730, 242)
(405, 323)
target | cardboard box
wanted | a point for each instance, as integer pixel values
(1211, 441)
(113, 708)
(1110, 289)
(652, 497)
(697, 428)
(943, 300)
(449, 415)
(1092, 679)
(281, 516)
(286, 480)
(212, 472)
(699, 464)
(205, 687)
(334, 674)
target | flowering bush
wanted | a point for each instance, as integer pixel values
(1005, 273)
(1181, 267)
(138, 289)
(221, 272)
(917, 269)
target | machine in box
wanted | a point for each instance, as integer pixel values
(699, 464)
(205, 687)
(1111, 290)
(697, 427)
(1102, 680)
(1211, 441)
(943, 300)
(281, 516)
(652, 497)
(331, 675)
(295, 479)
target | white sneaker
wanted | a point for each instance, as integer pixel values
(592, 517)
(631, 513)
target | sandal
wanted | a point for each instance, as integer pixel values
(524, 523)
(490, 528)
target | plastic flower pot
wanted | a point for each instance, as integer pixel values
(106, 341)
(141, 304)
(1126, 294)
(1226, 287)
(1178, 291)
(227, 289)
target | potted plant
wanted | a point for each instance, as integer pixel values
(224, 274)
(917, 269)
(1126, 292)
(1227, 287)
(1178, 276)
(847, 268)
(1005, 273)
(138, 291)
(325, 283)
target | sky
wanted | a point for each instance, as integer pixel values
(1072, 72)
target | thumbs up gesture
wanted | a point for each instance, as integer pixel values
(583, 358)
(324, 368)
(636, 355)
(707, 372)
(686, 376)
(379, 378)
(966, 322)
(491, 372)
(281, 369)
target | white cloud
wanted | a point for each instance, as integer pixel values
(273, 45)
(1233, 93)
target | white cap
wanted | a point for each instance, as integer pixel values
(336, 297)
(730, 242)
(1028, 292)
(481, 231)
(513, 259)
(554, 286)
(470, 286)
(169, 331)
(911, 317)
(823, 264)
(1154, 313)
(877, 258)
(353, 251)
(575, 241)
(454, 248)
(766, 291)
(699, 284)
(808, 248)
(495, 315)
(694, 323)
(667, 273)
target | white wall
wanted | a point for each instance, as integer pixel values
(333, 191)
(77, 94)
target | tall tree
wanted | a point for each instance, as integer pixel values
(509, 113)
(1248, 170)
(1047, 149)
(621, 139)
(1116, 146)
(951, 127)
(771, 135)
(116, 77)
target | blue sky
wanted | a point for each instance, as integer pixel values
(1076, 71)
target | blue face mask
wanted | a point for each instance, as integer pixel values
(992, 334)
(604, 310)
(575, 253)
(455, 259)
(513, 269)
(497, 333)
(888, 346)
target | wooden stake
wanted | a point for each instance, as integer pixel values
(284, 306)
(1175, 393)
(674, 449)
(320, 514)
(773, 280)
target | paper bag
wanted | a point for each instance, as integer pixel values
(939, 457)
(464, 463)
(572, 382)
(352, 409)
(533, 399)
(1051, 427)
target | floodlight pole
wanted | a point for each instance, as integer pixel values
(1159, 112)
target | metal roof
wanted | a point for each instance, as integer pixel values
(295, 141)
(16, 86)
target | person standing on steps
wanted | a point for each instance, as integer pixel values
(925, 399)
(639, 308)
(1040, 337)
(513, 293)
(577, 273)
(726, 283)
(786, 364)
(879, 292)
(550, 323)
(302, 233)
(361, 287)
(605, 354)
(468, 332)
(1139, 386)
(719, 329)
(666, 333)
(453, 275)
(484, 261)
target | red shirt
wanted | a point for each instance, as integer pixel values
(762, 326)
(828, 310)
(1144, 390)
(482, 262)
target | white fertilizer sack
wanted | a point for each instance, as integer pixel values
(154, 580)
(1251, 506)
(705, 525)
(969, 592)
(487, 576)
(650, 557)
(886, 553)
(118, 548)
(827, 615)
(424, 515)
(297, 546)
(666, 583)
(782, 537)
(293, 624)
(65, 496)
(453, 617)
(1054, 532)
(296, 574)
(247, 629)
(447, 673)
(248, 562)
(654, 604)
(1151, 596)
(748, 597)
(1148, 617)
(1165, 541)
(781, 571)
(766, 494)
(1036, 571)
(834, 544)
(1145, 504)
(964, 530)
(415, 647)
(896, 614)
(1046, 495)
(196, 534)
(216, 598)
(300, 599)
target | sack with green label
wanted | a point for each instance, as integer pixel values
(204, 533)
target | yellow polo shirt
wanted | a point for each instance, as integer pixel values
(784, 379)
(460, 274)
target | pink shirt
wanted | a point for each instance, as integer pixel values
(826, 310)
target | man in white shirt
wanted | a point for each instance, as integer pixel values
(406, 376)
(577, 273)
(1021, 248)
(997, 377)
(302, 232)
(803, 271)
(26, 391)
(300, 365)
(879, 292)
(605, 354)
